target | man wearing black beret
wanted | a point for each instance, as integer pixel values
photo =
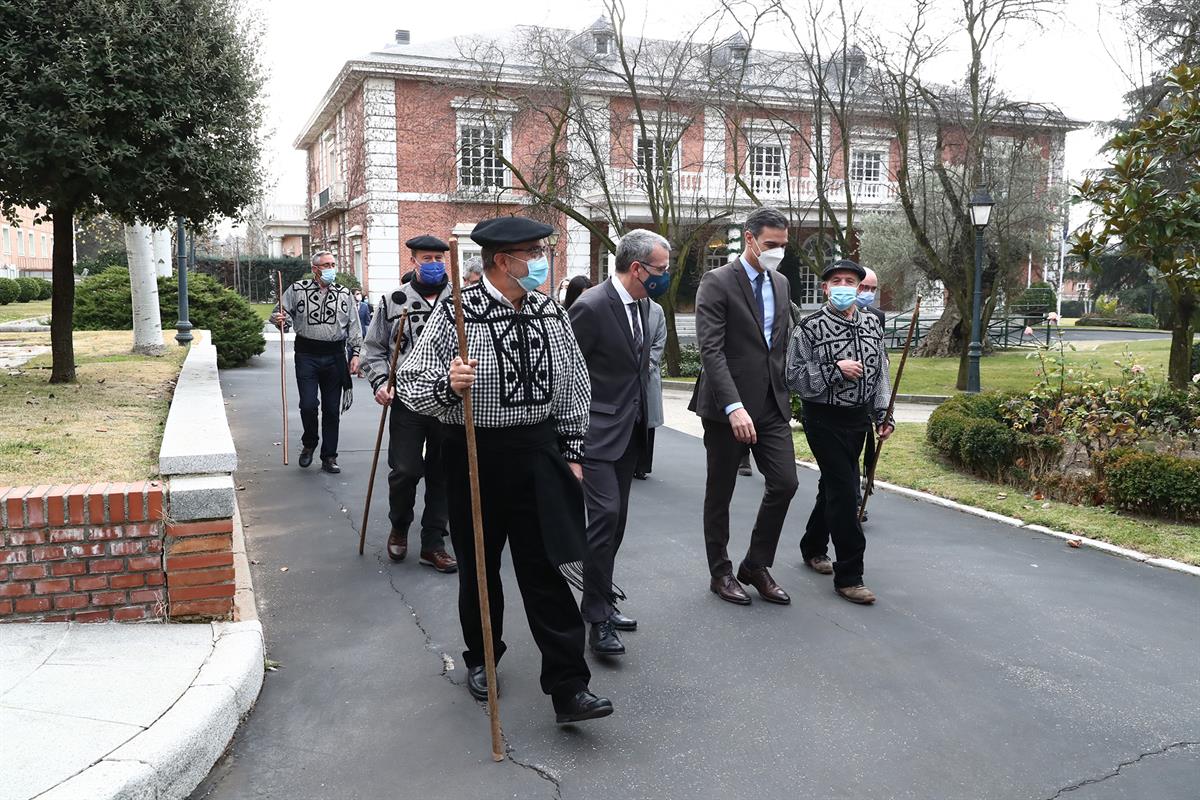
(838, 365)
(531, 395)
(414, 440)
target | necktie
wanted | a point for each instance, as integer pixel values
(758, 295)
(637, 329)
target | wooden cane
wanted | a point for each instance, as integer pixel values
(485, 611)
(391, 384)
(282, 366)
(912, 326)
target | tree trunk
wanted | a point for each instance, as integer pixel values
(162, 252)
(1180, 366)
(62, 302)
(671, 350)
(143, 281)
(946, 337)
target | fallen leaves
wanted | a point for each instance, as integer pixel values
(1075, 542)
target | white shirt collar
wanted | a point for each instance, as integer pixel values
(622, 292)
(496, 294)
(751, 272)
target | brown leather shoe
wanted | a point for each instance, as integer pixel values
(729, 590)
(397, 545)
(439, 560)
(767, 587)
(820, 564)
(856, 594)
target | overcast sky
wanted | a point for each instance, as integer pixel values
(305, 42)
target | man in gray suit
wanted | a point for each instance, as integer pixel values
(654, 396)
(742, 324)
(610, 325)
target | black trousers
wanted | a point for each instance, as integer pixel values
(510, 515)
(645, 462)
(415, 451)
(835, 514)
(320, 373)
(775, 455)
(606, 492)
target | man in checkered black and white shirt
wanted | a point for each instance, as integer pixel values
(531, 394)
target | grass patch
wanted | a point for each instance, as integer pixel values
(908, 460)
(15, 311)
(1018, 371)
(263, 309)
(108, 426)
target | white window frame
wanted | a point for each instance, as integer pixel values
(781, 179)
(29, 248)
(7, 241)
(20, 242)
(654, 137)
(42, 246)
(489, 122)
(861, 152)
(604, 43)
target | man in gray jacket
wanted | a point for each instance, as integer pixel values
(657, 327)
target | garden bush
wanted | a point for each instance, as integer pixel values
(103, 261)
(1154, 483)
(1148, 321)
(46, 289)
(30, 289)
(104, 302)
(1196, 358)
(1072, 308)
(10, 291)
(689, 361)
(987, 446)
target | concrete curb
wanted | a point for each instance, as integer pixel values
(170, 758)
(1084, 541)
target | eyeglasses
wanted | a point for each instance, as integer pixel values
(536, 252)
(658, 270)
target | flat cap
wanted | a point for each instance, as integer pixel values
(845, 265)
(509, 230)
(428, 243)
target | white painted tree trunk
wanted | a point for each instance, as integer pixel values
(147, 325)
(162, 252)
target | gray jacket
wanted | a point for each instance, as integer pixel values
(657, 327)
(377, 344)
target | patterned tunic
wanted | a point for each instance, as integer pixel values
(825, 337)
(326, 316)
(377, 344)
(530, 368)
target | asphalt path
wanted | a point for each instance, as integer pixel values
(998, 663)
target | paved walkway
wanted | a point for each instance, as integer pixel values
(999, 663)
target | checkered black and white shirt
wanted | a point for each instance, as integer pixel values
(825, 337)
(530, 368)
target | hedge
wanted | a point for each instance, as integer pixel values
(968, 429)
(1144, 321)
(1072, 308)
(1196, 358)
(30, 289)
(104, 302)
(1154, 483)
(47, 289)
(10, 291)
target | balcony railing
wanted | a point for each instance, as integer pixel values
(629, 184)
(330, 199)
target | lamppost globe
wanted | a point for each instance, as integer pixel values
(980, 207)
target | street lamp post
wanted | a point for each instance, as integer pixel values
(552, 240)
(183, 327)
(981, 211)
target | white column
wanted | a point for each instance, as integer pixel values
(382, 269)
(579, 249)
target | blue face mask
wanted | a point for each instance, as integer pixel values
(539, 270)
(432, 272)
(328, 276)
(865, 298)
(657, 285)
(842, 297)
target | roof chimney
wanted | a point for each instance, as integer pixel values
(402, 36)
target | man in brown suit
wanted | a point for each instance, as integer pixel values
(742, 324)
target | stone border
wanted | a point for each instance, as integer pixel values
(1084, 541)
(196, 439)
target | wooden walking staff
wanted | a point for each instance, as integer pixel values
(282, 366)
(912, 326)
(391, 384)
(485, 611)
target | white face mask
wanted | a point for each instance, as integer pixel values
(769, 259)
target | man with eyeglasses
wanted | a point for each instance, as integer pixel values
(530, 395)
(610, 323)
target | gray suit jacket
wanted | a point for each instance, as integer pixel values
(737, 365)
(658, 343)
(619, 375)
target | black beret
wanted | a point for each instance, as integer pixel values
(427, 242)
(844, 265)
(496, 233)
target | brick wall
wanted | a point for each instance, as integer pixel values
(108, 552)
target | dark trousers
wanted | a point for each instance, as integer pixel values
(606, 492)
(510, 514)
(323, 373)
(835, 513)
(645, 462)
(415, 451)
(775, 455)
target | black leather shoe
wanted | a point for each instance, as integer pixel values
(584, 705)
(729, 590)
(639, 476)
(477, 683)
(397, 545)
(622, 622)
(306, 456)
(761, 579)
(603, 640)
(330, 465)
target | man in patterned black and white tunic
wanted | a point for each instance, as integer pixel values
(531, 394)
(325, 319)
(414, 440)
(838, 365)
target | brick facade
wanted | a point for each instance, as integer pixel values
(108, 552)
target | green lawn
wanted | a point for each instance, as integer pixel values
(263, 309)
(34, 308)
(907, 460)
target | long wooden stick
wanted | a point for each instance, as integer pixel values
(912, 327)
(282, 366)
(391, 384)
(485, 610)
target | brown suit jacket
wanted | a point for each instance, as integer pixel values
(737, 364)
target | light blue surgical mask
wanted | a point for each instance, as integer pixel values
(842, 297)
(328, 276)
(865, 298)
(539, 270)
